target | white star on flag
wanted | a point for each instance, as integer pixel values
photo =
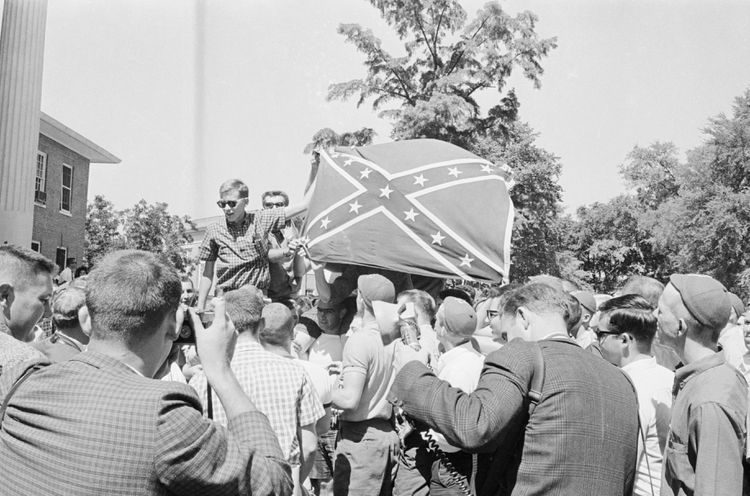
(420, 179)
(354, 207)
(466, 261)
(437, 238)
(486, 168)
(348, 161)
(365, 174)
(411, 215)
(324, 223)
(386, 192)
(453, 171)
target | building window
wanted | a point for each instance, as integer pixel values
(36, 246)
(61, 256)
(40, 181)
(66, 193)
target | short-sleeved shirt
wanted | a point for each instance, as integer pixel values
(364, 353)
(241, 250)
(279, 387)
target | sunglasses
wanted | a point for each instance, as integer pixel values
(229, 203)
(272, 205)
(601, 335)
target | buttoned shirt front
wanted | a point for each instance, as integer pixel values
(705, 448)
(653, 385)
(241, 250)
(278, 386)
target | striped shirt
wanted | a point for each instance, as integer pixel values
(241, 250)
(279, 387)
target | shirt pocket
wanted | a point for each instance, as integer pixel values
(677, 464)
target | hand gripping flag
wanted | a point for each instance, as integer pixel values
(420, 206)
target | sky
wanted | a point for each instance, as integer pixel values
(190, 93)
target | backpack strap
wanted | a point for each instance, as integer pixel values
(537, 378)
(15, 386)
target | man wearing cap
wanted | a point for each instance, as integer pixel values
(72, 326)
(580, 438)
(627, 326)
(584, 335)
(367, 447)
(460, 365)
(706, 445)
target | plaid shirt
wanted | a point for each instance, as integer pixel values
(241, 250)
(278, 386)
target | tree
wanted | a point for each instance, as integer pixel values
(101, 230)
(447, 61)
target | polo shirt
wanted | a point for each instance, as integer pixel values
(241, 250)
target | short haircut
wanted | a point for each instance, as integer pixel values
(421, 299)
(234, 185)
(647, 287)
(538, 298)
(129, 293)
(65, 306)
(17, 265)
(631, 313)
(244, 307)
(278, 328)
(275, 193)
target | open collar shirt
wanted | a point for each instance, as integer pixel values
(241, 250)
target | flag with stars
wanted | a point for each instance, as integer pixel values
(420, 206)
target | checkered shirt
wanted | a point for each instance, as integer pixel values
(13, 351)
(241, 251)
(278, 386)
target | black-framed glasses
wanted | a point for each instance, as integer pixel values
(491, 314)
(274, 205)
(601, 335)
(229, 203)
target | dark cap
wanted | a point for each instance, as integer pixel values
(704, 297)
(458, 316)
(374, 287)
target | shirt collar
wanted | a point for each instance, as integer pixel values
(643, 363)
(453, 353)
(683, 374)
(71, 341)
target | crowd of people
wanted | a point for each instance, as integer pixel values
(383, 384)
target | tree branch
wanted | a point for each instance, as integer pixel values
(426, 41)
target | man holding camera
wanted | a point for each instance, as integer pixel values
(99, 424)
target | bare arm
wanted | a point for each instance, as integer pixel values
(347, 397)
(308, 447)
(207, 280)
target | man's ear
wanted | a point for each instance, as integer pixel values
(84, 320)
(586, 317)
(6, 293)
(523, 314)
(682, 327)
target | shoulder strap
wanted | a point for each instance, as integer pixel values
(537, 378)
(13, 389)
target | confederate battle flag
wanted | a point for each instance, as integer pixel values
(421, 206)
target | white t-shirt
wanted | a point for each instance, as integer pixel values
(321, 380)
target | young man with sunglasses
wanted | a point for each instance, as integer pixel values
(626, 329)
(236, 248)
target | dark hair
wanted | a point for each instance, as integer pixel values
(457, 292)
(421, 299)
(279, 325)
(81, 270)
(631, 313)
(539, 298)
(18, 263)
(275, 193)
(647, 287)
(129, 293)
(244, 307)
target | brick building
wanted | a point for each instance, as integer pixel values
(61, 190)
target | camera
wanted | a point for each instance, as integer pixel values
(187, 332)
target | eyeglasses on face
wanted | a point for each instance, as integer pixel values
(601, 335)
(229, 203)
(273, 205)
(491, 314)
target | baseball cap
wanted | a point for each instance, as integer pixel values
(586, 300)
(458, 316)
(374, 287)
(736, 303)
(704, 297)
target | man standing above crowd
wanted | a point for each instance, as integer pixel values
(286, 265)
(236, 248)
(578, 435)
(280, 387)
(706, 445)
(25, 292)
(627, 326)
(99, 424)
(367, 447)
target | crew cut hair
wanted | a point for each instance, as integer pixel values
(129, 293)
(17, 264)
(278, 325)
(633, 314)
(421, 299)
(275, 193)
(234, 185)
(647, 287)
(539, 298)
(244, 307)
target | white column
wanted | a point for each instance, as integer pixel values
(21, 59)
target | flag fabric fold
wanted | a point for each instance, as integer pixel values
(420, 206)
